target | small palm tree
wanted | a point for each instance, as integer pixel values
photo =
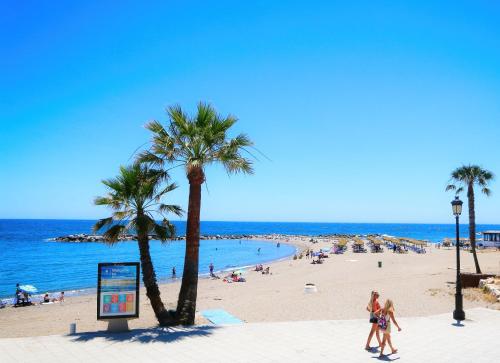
(468, 176)
(134, 195)
(194, 143)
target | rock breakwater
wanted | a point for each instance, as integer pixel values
(82, 237)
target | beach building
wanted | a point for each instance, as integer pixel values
(491, 239)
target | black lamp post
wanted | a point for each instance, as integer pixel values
(459, 313)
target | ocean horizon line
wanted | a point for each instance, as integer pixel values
(263, 222)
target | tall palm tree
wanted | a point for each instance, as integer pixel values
(194, 143)
(466, 177)
(134, 195)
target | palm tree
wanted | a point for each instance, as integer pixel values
(467, 176)
(194, 143)
(134, 195)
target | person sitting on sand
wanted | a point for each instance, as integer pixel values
(24, 298)
(46, 298)
(235, 277)
(266, 271)
(259, 267)
(317, 262)
(384, 324)
(374, 309)
(61, 297)
(228, 278)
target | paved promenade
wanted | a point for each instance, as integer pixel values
(429, 339)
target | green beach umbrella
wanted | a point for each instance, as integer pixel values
(28, 288)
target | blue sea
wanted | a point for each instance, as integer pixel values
(28, 257)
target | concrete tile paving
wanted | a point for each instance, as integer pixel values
(423, 339)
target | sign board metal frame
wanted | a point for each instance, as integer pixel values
(114, 264)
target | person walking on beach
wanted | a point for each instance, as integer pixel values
(173, 272)
(384, 323)
(374, 308)
(211, 268)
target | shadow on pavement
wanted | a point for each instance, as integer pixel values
(386, 358)
(150, 335)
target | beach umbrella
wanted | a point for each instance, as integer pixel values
(28, 288)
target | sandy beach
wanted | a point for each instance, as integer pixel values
(419, 284)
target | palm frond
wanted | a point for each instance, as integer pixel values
(101, 223)
(109, 201)
(486, 191)
(121, 215)
(112, 234)
(169, 208)
(165, 231)
(147, 157)
(238, 165)
(451, 187)
(155, 127)
(167, 189)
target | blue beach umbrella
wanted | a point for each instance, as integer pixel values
(28, 288)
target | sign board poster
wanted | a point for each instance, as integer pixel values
(118, 290)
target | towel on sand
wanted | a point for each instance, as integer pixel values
(220, 317)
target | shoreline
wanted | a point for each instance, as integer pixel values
(299, 241)
(83, 291)
(343, 285)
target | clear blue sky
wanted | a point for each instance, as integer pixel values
(363, 108)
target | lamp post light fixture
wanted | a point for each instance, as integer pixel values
(459, 313)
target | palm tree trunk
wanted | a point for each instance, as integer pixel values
(149, 279)
(472, 225)
(186, 306)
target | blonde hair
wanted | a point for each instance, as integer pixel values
(372, 298)
(388, 306)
